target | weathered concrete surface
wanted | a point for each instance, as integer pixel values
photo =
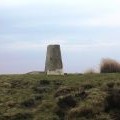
(53, 65)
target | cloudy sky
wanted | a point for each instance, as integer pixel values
(87, 30)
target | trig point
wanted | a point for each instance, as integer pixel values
(53, 65)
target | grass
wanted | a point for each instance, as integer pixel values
(109, 66)
(69, 97)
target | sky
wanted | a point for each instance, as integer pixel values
(87, 30)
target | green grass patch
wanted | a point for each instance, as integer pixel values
(69, 97)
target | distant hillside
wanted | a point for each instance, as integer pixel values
(71, 97)
(36, 72)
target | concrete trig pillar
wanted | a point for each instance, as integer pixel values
(54, 65)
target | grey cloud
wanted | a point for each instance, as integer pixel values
(29, 25)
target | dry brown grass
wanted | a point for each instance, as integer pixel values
(90, 71)
(109, 66)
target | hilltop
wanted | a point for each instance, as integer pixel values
(68, 97)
